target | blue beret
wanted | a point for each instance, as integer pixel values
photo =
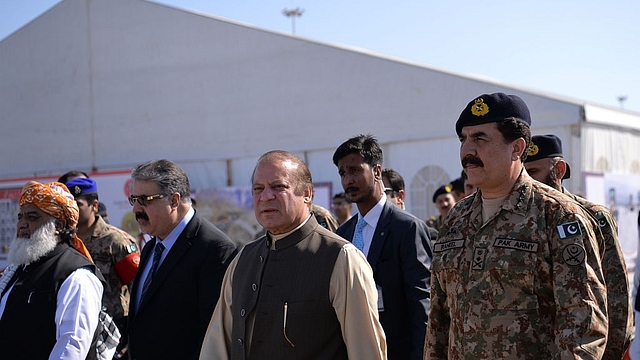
(496, 107)
(546, 146)
(442, 190)
(82, 186)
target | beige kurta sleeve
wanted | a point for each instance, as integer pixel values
(217, 340)
(355, 300)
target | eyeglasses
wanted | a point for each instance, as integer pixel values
(143, 200)
(390, 192)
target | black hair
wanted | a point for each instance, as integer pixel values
(73, 174)
(364, 145)
(395, 179)
(512, 129)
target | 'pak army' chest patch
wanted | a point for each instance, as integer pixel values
(573, 254)
(528, 246)
(569, 230)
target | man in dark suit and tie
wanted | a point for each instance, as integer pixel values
(181, 268)
(396, 244)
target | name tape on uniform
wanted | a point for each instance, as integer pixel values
(453, 244)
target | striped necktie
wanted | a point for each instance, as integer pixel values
(157, 254)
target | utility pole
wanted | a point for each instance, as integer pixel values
(622, 99)
(297, 12)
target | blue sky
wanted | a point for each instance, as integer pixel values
(587, 50)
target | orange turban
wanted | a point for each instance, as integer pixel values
(55, 199)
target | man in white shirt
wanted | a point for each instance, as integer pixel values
(51, 293)
(395, 243)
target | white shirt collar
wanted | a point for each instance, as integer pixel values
(371, 218)
(173, 235)
(374, 214)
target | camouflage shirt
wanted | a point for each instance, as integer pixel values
(435, 222)
(324, 217)
(107, 246)
(524, 285)
(619, 309)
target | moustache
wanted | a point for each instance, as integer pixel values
(349, 189)
(142, 216)
(471, 160)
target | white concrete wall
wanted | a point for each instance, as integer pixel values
(45, 102)
(108, 84)
(610, 150)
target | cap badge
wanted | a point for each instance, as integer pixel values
(77, 190)
(479, 108)
(533, 149)
(448, 188)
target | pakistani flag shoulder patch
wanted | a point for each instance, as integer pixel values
(602, 221)
(569, 230)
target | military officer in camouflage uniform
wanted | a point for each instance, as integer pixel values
(514, 275)
(114, 251)
(325, 217)
(444, 200)
(545, 163)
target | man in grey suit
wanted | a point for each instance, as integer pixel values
(181, 268)
(396, 244)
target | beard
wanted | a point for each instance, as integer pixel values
(552, 180)
(24, 251)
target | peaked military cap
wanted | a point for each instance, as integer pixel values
(546, 146)
(82, 186)
(495, 107)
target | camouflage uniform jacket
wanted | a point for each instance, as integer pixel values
(619, 309)
(324, 218)
(435, 222)
(107, 246)
(524, 285)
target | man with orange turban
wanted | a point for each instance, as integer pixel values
(50, 295)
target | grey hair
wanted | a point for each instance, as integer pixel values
(168, 175)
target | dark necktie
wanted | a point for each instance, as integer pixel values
(157, 254)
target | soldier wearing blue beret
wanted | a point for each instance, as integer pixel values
(113, 250)
(82, 186)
